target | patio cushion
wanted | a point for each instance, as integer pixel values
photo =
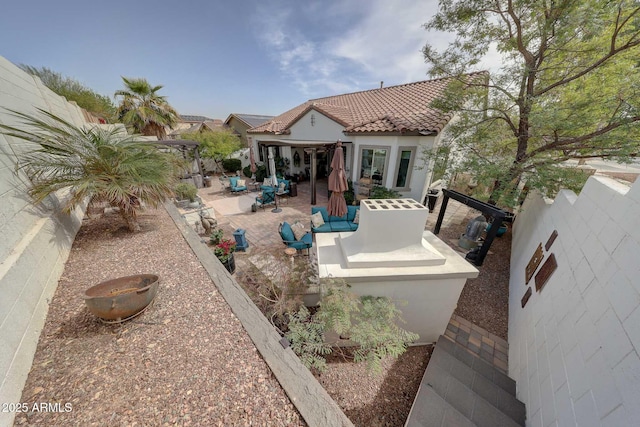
(354, 226)
(325, 228)
(340, 226)
(351, 212)
(241, 183)
(299, 232)
(233, 181)
(338, 218)
(322, 210)
(286, 232)
(317, 220)
(356, 219)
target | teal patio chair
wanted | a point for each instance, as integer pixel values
(268, 197)
(235, 188)
(289, 239)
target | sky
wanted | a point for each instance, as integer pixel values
(214, 58)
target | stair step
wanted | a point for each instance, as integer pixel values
(478, 365)
(431, 410)
(501, 409)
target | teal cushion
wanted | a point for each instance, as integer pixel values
(287, 233)
(322, 210)
(233, 181)
(353, 226)
(340, 226)
(351, 212)
(338, 218)
(325, 228)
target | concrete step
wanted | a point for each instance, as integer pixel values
(468, 401)
(477, 364)
(431, 410)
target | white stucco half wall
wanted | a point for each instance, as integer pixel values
(573, 349)
(35, 242)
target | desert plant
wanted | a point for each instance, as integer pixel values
(216, 236)
(93, 163)
(231, 165)
(143, 110)
(185, 190)
(306, 334)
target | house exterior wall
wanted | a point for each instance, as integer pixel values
(240, 127)
(35, 243)
(573, 349)
(420, 174)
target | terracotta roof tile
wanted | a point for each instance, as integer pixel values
(403, 108)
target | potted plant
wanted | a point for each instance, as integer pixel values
(216, 236)
(185, 194)
(224, 252)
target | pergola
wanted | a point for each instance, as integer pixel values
(487, 209)
(184, 145)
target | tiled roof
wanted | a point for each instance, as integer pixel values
(252, 120)
(404, 108)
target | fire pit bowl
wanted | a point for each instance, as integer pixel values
(121, 298)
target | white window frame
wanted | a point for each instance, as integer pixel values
(407, 186)
(386, 160)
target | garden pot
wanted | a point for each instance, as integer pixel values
(123, 297)
(230, 264)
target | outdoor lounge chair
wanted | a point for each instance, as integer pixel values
(268, 197)
(289, 239)
(234, 182)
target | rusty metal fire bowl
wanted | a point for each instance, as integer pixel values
(122, 298)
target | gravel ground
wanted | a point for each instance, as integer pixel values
(177, 365)
(185, 361)
(485, 300)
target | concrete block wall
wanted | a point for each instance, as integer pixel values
(573, 349)
(35, 240)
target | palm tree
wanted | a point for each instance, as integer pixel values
(143, 110)
(102, 165)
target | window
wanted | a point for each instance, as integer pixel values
(373, 163)
(404, 166)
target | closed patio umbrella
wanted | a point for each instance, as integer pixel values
(337, 184)
(272, 167)
(252, 159)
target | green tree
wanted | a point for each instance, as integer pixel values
(143, 110)
(567, 88)
(72, 90)
(92, 163)
(216, 145)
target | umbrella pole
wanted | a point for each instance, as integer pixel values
(313, 176)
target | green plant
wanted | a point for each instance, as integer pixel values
(261, 173)
(216, 236)
(224, 249)
(349, 195)
(246, 171)
(143, 110)
(185, 190)
(306, 334)
(93, 163)
(231, 165)
(383, 193)
(369, 322)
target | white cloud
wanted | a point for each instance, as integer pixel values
(336, 47)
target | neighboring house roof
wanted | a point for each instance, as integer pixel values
(187, 118)
(209, 124)
(394, 109)
(251, 120)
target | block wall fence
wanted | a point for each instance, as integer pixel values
(573, 348)
(35, 243)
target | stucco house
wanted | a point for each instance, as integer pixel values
(241, 123)
(384, 133)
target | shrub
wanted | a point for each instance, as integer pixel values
(184, 191)
(216, 236)
(231, 165)
(246, 171)
(261, 173)
(384, 193)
